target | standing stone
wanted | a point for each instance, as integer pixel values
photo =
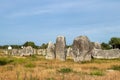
(27, 51)
(15, 52)
(60, 48)
(97, 45)
(82, 49)
(50, 51)
(106, 54)
(69, 52)
(41, 52)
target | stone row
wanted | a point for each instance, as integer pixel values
(82, 49)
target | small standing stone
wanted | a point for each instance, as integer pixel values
(61, 48)
(69, 52)
(50, 51)
(27, 51)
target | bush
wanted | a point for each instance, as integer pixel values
(105, 46)
(115, 42)
(44, 46)
(65, 70)
(30, 43)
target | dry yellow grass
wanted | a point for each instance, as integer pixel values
(49, 70)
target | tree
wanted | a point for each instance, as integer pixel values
(115, 42)
(30, 43)
(105, 46)
(16, 46)
(4, 47)
(67, 46)
(44, 46)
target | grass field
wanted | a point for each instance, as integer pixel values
(38, 68)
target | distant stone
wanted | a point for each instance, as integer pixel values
(69, 52)
(82, 49)
(50, 51)
(15, 52)
(42, 52)
(106, 54)
(97, 45)
(61, 48)
(27, 51)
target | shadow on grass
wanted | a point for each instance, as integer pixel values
(4, 61)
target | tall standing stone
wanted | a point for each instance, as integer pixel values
(61, 48)
(50, 51)
(82, 49)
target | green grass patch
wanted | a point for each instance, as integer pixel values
(97, 73)
(85, 62)
(5, 60)
(19, 60)
(32, 57)
(30, 65)
(65, 70)
(115, 67)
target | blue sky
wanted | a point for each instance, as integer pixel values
(42, 21)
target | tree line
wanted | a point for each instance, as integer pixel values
(112, 44)
(28, 43)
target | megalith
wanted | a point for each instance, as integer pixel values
(82, 49)
(50, 51)
(60, 48)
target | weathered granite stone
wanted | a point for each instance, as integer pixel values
(50, 51)
(27, 51)
(82, 49)
(97, 45)
(60, 48)
(42, 52)
(35, 51)
(106, 54)
(15, 52)
(3, 52)
(69, 52)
